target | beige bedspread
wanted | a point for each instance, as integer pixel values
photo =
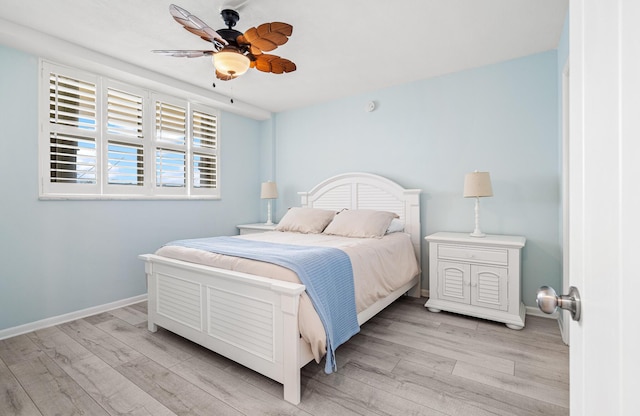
(380, 266)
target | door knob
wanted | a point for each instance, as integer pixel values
(548, 301)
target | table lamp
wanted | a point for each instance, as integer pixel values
(269, 191)
(477, 185)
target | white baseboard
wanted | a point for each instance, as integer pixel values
(532, 310)
(67, 317)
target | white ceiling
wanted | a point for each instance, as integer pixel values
(341, 47)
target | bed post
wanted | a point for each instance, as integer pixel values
(291, 346)
(412, 220)
(151, 293)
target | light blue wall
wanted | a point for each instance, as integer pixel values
(501, 118)
(58, 257)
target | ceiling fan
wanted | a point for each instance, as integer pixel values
(235, 52)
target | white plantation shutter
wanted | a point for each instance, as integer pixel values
(126, 159)
(204, 171)
(171, 147)
(125, 164)
(73, 159)
(72, 102)
(205, 130)
(124, 114)
(204, 144)
(70, 131)
(170, 168)
(171, 123)
(104, 139)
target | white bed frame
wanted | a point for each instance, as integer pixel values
(251, 319)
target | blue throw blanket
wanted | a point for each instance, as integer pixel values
(325, 271)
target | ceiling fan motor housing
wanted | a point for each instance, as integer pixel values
(230, 17)
(230, 35)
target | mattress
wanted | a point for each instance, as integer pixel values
(380, 266)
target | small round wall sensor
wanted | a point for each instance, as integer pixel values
(371, 105)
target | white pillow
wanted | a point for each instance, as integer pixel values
(363, 223)
(305, 220)
(396, 226)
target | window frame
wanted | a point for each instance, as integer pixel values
(149, 143)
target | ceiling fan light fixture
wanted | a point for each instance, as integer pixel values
(231, 62)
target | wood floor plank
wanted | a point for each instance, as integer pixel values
(522, 386)
(161, 351)
(173, 391)
(52, 390)
(108, 348)
(17, 349)
(360, 396)
(481, 343)
(407, 389)
(14, 400)
(490, 398)
(232, 389)
(557, 376)
(114, 392)
(455, 350)
(434, 361)
(130, 315)
(407, 311)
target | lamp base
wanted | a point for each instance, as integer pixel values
(269, 220)
(476, 232)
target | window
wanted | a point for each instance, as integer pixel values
(104, 139)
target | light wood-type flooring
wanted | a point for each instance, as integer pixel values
(405, 361)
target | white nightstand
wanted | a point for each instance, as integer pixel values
(476, 276)
(259, 227)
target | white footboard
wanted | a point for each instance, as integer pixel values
(249, 319)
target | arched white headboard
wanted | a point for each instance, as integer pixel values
(358, 190)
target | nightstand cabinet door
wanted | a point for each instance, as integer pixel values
(453, 282)
(476, 276)
(490, 287)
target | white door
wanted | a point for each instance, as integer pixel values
(604, 205)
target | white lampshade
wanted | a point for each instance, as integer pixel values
(269, 190)
(231, 62)
(477, 184)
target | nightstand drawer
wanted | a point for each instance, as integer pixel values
(493, 256)
(255, 228)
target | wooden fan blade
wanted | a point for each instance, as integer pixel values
(280, 27)
(184, 53)
(265, 31)
(255, 51)
(251, 35)
(274, 64)
(242, 41)
(269, 36)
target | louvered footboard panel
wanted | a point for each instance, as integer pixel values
(242, 321)
(180, 300)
